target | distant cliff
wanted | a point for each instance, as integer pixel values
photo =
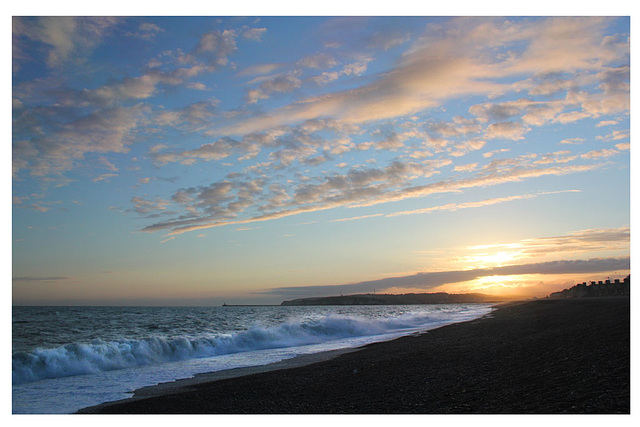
(600, 289)
(389, 299)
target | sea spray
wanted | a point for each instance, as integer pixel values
(98, 355)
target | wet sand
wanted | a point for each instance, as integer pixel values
(544, 356)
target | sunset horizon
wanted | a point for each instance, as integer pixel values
(210, 160)
(387, 210)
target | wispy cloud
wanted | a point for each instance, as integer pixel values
(358, 188)
(506, 130)
(247, 228)
(104, 177)
(481, 203)
(144, 206)
(572, 141)
(361, 113)
(64, 38)
(426, 281)
(354, 218)
(254, 34)
(445, 63)
(599, 154)
(39, 278)
(442, 67)
(457, 206)
(465, 168)
(146, 31)
(64, 146)
(62, 125)
(591, 240)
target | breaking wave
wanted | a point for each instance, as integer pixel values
(99, 355)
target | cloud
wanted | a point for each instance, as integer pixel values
(354, 218)
(506, 130)
(216, 46)
(457, 206)
(590, 240)
(261, 69)
(38, 206)
(39, 278)
(63, 146)
(489, 154)
(599, 154)
(458, 127)
(141, 87)
(144, 206)
(498, 111)
(352, 69)
(357, 68)
(146, 31)
(532, 113)
(319, 60)
(458, 60)
(288, 144)
(192, 117)
(515, 174)
(462, 148)
(326, 78)
(64, 38)
(212, 151)
(465, 168)
(254, 34)
(466, 205)
(282, 83)
(358, 187)
(247, 228)
(427, 281)
(197, 86)
(578, 104)
(615, 135)
(572, 141)
(104, 176)
(448, 61)
(333, 191)
(557, 157)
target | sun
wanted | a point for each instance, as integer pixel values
(496, 259)
(497, 285)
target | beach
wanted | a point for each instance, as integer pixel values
(534, 357)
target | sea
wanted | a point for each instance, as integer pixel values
(68, 358)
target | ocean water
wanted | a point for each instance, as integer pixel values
(68, 358)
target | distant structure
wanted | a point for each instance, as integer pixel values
(397, 299)
(599, 289)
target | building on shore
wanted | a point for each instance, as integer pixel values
(599, 289)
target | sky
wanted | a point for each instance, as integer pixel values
(200, 160)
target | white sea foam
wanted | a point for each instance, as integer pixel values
(67, 358)
(98, 355)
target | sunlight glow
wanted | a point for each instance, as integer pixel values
(252, 160)
(490, 259)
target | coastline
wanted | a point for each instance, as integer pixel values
(188, 384)
(544, 356)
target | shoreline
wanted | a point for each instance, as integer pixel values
(182, 385)
(541, 356)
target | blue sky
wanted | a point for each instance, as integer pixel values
(202, 160)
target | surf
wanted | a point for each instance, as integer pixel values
(98, 355)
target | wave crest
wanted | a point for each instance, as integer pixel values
(99, 355)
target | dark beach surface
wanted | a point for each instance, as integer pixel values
(543, 356)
